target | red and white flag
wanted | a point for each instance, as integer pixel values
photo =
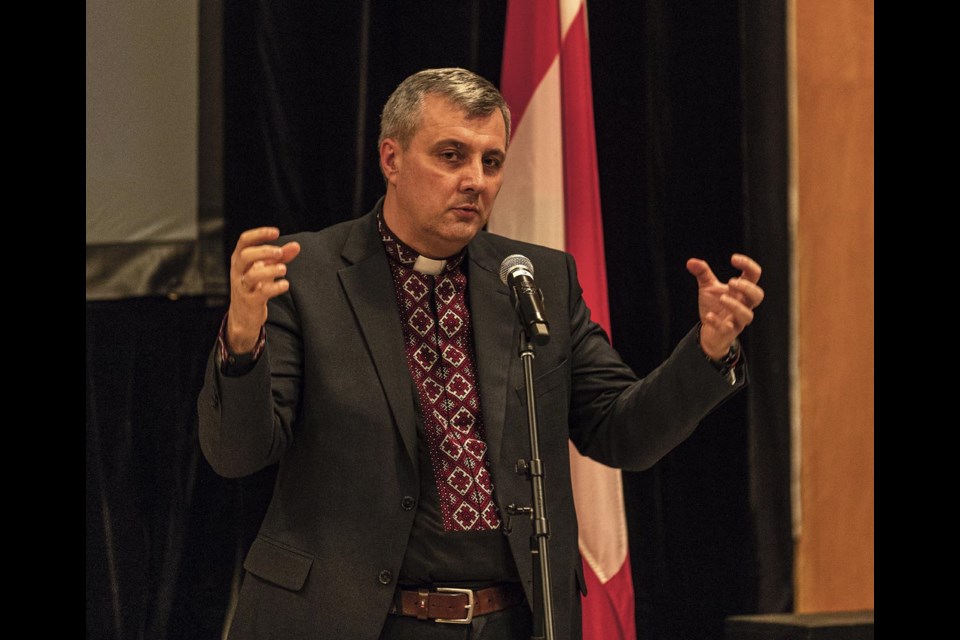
(551, 177)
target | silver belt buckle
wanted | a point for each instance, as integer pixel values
(469, 606)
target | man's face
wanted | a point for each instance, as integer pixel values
(443, 185)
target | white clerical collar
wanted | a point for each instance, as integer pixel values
(429, 266)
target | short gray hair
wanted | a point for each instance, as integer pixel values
(474, 94)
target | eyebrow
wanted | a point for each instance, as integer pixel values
(459, 145)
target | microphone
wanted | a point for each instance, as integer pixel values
(516, 272)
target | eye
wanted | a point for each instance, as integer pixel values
(493, 162)
(450, 155)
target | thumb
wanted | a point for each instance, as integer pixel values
(701, 270)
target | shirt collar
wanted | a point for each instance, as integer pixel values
(406, 256)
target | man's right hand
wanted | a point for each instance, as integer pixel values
(256, 275)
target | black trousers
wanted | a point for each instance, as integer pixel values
(514, 623)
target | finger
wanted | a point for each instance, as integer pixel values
(267, 254)
(250, 256)
(746, 291)
(289, 251)
(722, 324)
(261, 273)
(710, 294)
(739, 314)
(259, 235)
(749, 268)
(274, 288)
(265, 290)
(701, 270)
(250, 247)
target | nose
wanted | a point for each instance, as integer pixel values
(474, 178)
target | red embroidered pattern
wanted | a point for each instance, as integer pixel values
(439, 344)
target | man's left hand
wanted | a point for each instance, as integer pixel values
(725, 308)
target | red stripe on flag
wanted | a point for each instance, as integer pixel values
(608, 607)
(531, 43)
(584, 225)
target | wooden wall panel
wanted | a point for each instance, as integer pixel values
(834, 133)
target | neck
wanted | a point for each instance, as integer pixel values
(395, 222)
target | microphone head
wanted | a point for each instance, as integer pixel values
(512, 263)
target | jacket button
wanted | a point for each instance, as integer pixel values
(385, 577)
(407, 503)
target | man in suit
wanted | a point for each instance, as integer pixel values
(380, 370)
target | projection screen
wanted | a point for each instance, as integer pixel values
(153, 149)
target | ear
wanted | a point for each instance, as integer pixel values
(391, 157)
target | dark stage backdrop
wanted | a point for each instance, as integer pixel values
(690, 102)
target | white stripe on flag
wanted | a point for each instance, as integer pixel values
(530, 204)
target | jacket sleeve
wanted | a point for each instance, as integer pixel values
(630, 423)
(245, 422)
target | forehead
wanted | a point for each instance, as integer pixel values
(440, 118)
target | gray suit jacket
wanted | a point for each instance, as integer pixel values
(331, 400)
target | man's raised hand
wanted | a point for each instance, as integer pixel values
(257, 271)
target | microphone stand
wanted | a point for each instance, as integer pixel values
(542, 604)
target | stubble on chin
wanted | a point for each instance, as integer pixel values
(457, 235)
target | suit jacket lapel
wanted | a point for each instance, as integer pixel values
(496, 338)
(369, 288)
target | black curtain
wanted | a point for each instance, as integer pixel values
(691, 138)
(691, 135)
